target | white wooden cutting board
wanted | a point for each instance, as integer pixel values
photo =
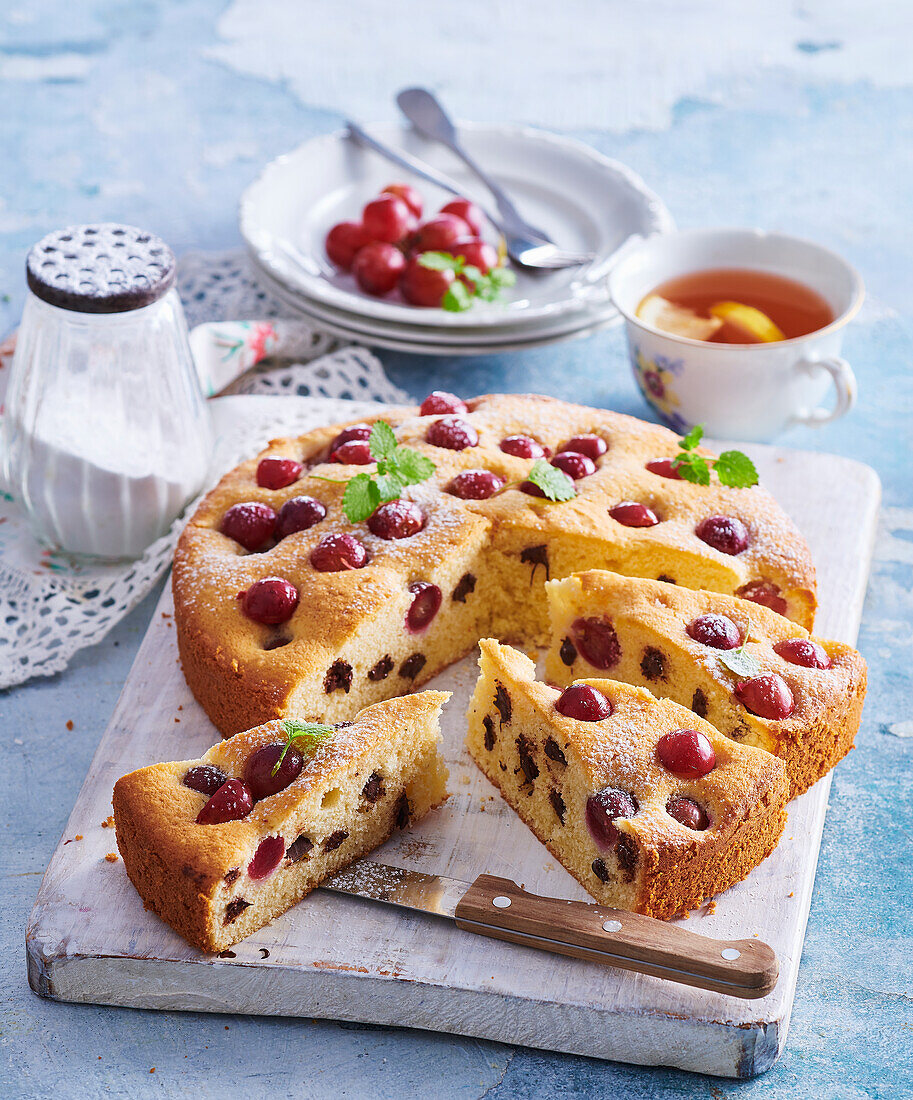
(89, 938)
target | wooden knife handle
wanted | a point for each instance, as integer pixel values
(498, 908)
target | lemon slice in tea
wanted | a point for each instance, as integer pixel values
(749, 320)
(677, 320)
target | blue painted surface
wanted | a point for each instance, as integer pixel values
(117, 110)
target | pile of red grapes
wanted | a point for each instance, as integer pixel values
(383, 250)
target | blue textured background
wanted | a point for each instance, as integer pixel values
(119, 110)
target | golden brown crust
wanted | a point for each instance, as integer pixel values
(245, 673)
(670, 867)
(650, 616)
(189, 874)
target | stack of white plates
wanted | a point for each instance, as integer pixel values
(583, 200)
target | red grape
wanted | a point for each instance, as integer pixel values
(804, 652)
(377, 268)
(602, 808)
(334, 553)
(426, 602)
(439, 402)
(469, 212)
(723, 533)
(271, 601)
(765, 593)
(439, 234)
(386, 218)
(766, 696)
(584, 703)
(258, 771)
(205, 778)
(475, 484)
(716, 631)
(343, 241)
(686, 753)
(356, 431)
(597, 642)
(521, 446)
(231, 802)
(474, 251)
(593, 446)
(354, 453)
(688, 813)
(630, 513)
(664, 468)
(408, 194)
(398, 519)
(298, 514)
(422, 286)
(251, 524)
(269, 854)
(277, 473)
(574, 464)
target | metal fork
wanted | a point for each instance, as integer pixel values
(428, 116)
(528, 247)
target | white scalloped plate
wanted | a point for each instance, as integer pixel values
(583, 200)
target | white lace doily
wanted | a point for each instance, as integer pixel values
(52, 605)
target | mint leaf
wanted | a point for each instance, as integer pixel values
(692, 467)
(306, 736)
(691, 440)
(740, 661)
(473, 274)
(389, 487)
(360, 499)
(502, 277)
(553, 482)
(411, 467)
(736, 470)
(382, 441)
(441, 261)
(457, 298)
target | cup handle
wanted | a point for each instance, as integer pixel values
(845, 389)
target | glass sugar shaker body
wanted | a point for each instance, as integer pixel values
(106, 435)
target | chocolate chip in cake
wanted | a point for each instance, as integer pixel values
(465, 586)
(301, 849)
(374, 788)
(234, 909)
(535, 556)
(600, 870)
(699, 703)
(666, 578)
(489, 732)
(339, 675)
(528, 764)
(626, 851)
(232, 876)
(737, 733)
(557, 804)
(503, 704)
(553, 751)
(412, 666)
(568, 652)
(333, 841)
(653, 664)
(403, 811)
(382, 669)
(276, 642)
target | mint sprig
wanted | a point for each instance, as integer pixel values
(733, 468)
(553, 482)
(740, 661)
(459, 297)
(305, 736)
(397, 467)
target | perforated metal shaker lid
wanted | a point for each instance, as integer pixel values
(104, 268)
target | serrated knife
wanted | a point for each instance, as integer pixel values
(499, 908)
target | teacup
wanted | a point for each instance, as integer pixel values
(739, 391)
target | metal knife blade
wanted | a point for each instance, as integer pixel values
(397, 886)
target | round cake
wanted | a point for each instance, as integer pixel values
(283, 605)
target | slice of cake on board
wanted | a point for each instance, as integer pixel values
(648, 806)
(219, 846)
(756, 676)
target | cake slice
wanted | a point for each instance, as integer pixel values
(756, 676)
(649, 807)
(219, 846)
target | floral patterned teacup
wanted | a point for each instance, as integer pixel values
(739, 391)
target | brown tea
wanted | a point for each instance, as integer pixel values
(737, 306)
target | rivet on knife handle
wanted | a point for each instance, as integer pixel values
(498, 908)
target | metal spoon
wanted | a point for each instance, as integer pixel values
(534, 251)
(427, 115)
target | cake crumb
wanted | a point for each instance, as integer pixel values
(464, 779)
(69, 723)
(711, 908)
(790, 894)
(108, 823)
(152, 1070)
(112, 857)
(177, 719)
